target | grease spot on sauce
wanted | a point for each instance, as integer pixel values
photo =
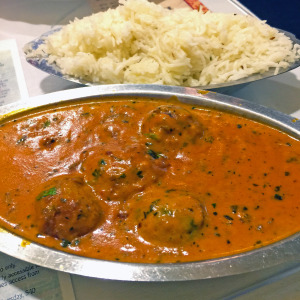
(25, 243)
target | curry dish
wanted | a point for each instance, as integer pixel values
(147, 180)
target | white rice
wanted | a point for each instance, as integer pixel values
(141, 42)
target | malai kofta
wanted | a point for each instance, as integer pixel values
(147, 180)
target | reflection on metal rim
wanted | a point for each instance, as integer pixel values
(283, 251)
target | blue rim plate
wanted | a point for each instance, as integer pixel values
(42, 63)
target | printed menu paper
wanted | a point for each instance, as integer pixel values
(19, 279)
(22, 280)
(12, 82)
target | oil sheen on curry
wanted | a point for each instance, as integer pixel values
(147, 180)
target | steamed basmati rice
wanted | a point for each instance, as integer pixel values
(141, 42)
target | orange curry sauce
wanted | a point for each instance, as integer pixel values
(142, 180)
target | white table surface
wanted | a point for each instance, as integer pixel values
(24, 20)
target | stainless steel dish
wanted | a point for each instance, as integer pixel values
(43, 64)
(287, 250)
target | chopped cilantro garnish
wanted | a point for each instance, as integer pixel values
(65, 243)
(96, 173)
(50, 192)
(152, 136)
(234, 208)
(153, 154)
(76, 242)
(102, 162)
(47, 124)
(170, 190)
(22, 139)
(228, 217)
(140, 174)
